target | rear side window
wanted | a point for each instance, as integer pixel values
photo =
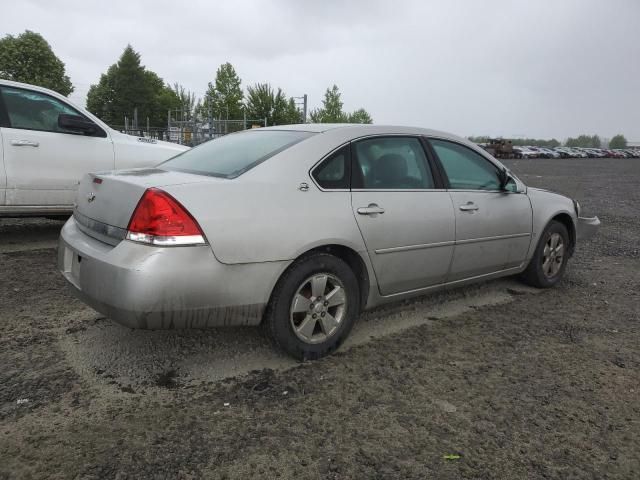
(234, 154)
(334, 172)
(396, 163)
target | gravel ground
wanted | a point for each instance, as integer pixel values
(491, 381)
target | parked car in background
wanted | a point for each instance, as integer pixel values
(615, 154)
(563, 152)
(548, 153)
(629, 153)
(525, 152)
(589, 152)
(578, 153)
(47, 144)
(300, 227)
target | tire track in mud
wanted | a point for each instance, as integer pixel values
(105, 353)
(27, 234)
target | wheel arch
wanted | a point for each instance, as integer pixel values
(567, 221)
(347, 254)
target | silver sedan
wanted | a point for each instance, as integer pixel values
(302, 227)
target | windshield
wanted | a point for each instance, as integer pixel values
(234, 154)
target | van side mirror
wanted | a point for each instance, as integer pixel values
(76, 122)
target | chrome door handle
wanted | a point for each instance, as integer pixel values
(24, 143)
(372, 209)
(469, 207)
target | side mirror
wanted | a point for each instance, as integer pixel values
(506, 178)
(76, 122)
(503, 176)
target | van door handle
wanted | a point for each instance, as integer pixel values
(372, 209)
(469, 207)
(24, 143)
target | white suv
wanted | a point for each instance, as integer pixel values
(47, 144)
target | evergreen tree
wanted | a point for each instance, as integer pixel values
(224, 96)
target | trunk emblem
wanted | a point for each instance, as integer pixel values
(91, 197)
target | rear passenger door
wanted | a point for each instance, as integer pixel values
(405, 217)
(493, 226)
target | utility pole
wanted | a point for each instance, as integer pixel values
(302, 101)
(304, 111)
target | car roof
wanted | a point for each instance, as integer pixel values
(11, 83)
(360, 129)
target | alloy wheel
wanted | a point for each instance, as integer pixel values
(318, 308)
(553, 255)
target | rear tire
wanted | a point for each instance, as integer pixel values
(549, 261)
(313, 307)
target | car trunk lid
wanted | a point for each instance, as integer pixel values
(106, 201)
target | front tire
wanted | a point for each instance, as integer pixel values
(313, 307)
(549, 261)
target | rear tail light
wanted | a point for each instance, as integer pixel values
(159, 219)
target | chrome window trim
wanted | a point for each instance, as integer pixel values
(418, 137)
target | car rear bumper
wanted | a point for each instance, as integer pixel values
(587, 227)
(143, 286)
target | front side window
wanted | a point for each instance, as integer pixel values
(466, 169)
(396, 163)
(236, 153)
(34, 110)
(333, 172)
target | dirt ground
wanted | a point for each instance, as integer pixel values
(511, 383)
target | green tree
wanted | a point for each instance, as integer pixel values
(28, 58)
(224, 96)
(292, 114)
(331, 110)
(263, 102)
(128, 86)
(360, 116)
(584, 141)
(619, 141)
(187, 101)
(259, 103)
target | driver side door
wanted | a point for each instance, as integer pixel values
(44, 162)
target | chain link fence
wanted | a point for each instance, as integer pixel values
(192, 131)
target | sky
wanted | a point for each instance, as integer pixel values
(511, 68)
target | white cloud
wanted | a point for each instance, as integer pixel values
(500, 67)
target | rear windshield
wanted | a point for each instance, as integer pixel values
(234, 154)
